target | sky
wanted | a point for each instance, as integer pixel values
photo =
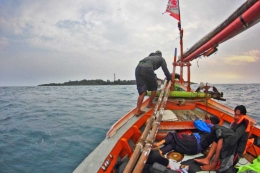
(53, 41)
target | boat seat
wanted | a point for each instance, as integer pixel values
(168, 115)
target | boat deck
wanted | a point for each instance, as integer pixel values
(188, 115)
(125, 134)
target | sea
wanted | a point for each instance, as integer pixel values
(52, 129)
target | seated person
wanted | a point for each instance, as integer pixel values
(187, 144)
(229, 144)
(165, 165)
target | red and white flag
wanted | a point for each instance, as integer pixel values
(173, 9)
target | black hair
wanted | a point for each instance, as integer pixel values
(242, 109)
(177, 76)
(214, 119)
(158, 53)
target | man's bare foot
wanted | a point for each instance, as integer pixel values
(203, 161)
(156, 144)
(150, 105)
(139, 113)
(210, 167)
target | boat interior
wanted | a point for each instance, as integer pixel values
(183, 123)
(178, 115)
(130, 140)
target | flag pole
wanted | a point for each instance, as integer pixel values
(173, 8)
(181, 45)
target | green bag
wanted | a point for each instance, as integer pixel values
(255, 166)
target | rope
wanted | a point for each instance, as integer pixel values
(197, 62)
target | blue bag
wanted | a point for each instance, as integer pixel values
(203, 126)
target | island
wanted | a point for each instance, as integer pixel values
(92, 82)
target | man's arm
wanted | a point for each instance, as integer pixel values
(242, 144)
(242, 136)
(165, 70)
(240, 130)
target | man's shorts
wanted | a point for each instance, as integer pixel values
(145, 79)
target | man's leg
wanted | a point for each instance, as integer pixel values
(152, 86)
(140, 99)
(142, 88)
(157, 144)
(166, 148)
(212, 166)
(168, 139)
(206, 160)
(150, 104)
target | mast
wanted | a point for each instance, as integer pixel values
(173, 8)
(181, 45)
(242, 19)
(244, 7)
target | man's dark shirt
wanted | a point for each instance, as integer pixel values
(155, 61)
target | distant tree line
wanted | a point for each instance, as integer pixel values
(93, 82)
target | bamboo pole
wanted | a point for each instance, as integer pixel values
(173, 70)
(140, 144)
(191, 94)
(181, 51)
(142, 160)
(188, 87)
(130, 165)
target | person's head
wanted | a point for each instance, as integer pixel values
(214, 120)
(177, 76)
(239, 111)
(158, 53)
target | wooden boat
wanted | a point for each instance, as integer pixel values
(132, 137)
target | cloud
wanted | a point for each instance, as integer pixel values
(213, 76)
(249, 57)
(54, 26)
(90, 39)
(3, 42)
(226, 76)
(254, 53)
